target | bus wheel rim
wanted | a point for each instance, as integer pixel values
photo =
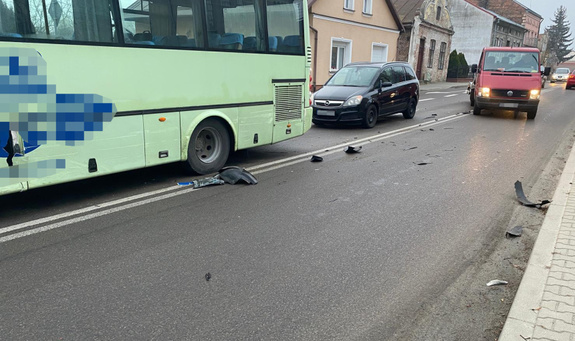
(208, 145)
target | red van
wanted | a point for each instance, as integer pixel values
(507, 78)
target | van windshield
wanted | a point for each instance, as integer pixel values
(354, 76)
(511, 61)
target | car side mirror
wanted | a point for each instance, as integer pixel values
(547, 71)
(386, 84)
(474, 68)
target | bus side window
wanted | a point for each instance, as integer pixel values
(285, 22)
(67, 19)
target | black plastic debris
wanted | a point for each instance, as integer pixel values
(410, 148)
(352, 149)
(208, 276)
(233, 175)
(523, 200)
(514, 232)
(423, 163)
(315, 158)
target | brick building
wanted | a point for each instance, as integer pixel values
(426, 42)
(518, 13)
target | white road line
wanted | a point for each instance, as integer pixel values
(426, 99)
(451, 95)
(179, 190)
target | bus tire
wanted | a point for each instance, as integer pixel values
(209, 147)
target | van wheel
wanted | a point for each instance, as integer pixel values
(409, 112)
(209, 147)
(370, 118)
(472, 99)
(476, 110)
(531, 114)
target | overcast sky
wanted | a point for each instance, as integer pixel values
(547, 8)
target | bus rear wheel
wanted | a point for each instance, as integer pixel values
(209, 147)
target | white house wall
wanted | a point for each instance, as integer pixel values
(473, 28)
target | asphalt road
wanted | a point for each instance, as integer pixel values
(350, 248)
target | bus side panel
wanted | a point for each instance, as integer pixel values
(119, 147)
(162, 138)
(255, 120)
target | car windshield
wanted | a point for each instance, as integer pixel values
(354, 76)
(562, 71)
(511, 61)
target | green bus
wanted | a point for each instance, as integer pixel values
(94, 87)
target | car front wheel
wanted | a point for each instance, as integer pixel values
(370, 118)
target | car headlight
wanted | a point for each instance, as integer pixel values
(534, 94)
(353, 101)
(483, 92)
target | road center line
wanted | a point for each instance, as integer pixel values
(179, 190)
(451, 95)
(426, 99)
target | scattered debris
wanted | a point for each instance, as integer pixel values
(514, 232)
(230, 175)
(203, 182)
(234, 174)
(496, 282)
(523, 200)
(208, 276)
(431, 129)
(315, 158)
(410, 148)
(423, 163)
(351, 149)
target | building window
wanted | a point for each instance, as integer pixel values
(348, 4)
(431, 53)
(442, 55)
(367, 6)
(438, 15)
(340, 54)
(379, 52)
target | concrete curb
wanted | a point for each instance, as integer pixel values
(521, 323)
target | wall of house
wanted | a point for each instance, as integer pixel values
(429, 26)
(362, 31)
(470, 21)
(517, 13)
(381, 14)
(433, 73)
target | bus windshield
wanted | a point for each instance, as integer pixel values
(511, 61)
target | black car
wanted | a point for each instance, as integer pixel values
(362, 92)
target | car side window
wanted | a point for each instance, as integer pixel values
(409, 73)
(386, 75)
(398, 74)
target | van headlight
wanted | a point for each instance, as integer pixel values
(483, 92)
(534, 94)
(353, 101)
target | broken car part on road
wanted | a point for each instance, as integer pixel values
(523, 200)
(231, 175)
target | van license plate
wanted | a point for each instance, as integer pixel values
(508, 105)
(326, 113)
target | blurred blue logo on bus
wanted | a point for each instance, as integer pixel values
(32, 113)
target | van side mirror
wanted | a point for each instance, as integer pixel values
(474, 68)
(547, 71)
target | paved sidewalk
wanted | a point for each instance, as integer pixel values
(544, 306)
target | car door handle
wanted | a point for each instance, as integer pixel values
(394, 94)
